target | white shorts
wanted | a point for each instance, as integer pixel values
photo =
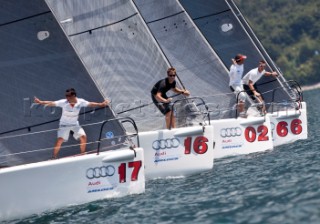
(64, 130)
(238, 91)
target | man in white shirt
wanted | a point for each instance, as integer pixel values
(69, 119)
(250, 79)
(235, 74)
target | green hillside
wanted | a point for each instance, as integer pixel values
(290, 32)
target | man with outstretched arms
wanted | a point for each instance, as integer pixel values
(69, 119)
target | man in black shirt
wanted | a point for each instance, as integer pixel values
(160, 98)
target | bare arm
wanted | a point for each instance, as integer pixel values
(184, 92)
(46, 103)
(271, 73)
(161, 99)
(251, 86)
(102, 104)
(233, 61)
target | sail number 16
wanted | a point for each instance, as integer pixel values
(199, 145)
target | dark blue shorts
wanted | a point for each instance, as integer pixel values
(163, 107)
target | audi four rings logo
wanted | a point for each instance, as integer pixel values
(103, 171)
(230, 132)
(168, 143)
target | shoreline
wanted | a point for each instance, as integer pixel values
(310, 87)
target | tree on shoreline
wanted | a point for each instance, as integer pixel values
(290, 32)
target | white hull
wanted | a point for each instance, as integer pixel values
(289, 126)
(177, 152)
(44, 186)
(241, 136)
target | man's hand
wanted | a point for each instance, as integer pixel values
(186, 93)
(256, 93)
(36, 100)
(105, 103)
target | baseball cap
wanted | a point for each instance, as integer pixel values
(239, 57)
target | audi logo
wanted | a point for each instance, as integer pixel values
(230, 132)
(103, 171)
(168, 143)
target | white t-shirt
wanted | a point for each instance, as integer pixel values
(235, 75)
(70, 114)
(254, 75)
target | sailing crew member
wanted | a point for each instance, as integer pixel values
(69, 119)
(160, 98)
(235, 74)
(250, 79)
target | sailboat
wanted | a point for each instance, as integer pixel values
(228, 33)
(124, 60)
(97, 47)
(37, 60)
(202, 72)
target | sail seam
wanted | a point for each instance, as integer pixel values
(165, 17)
(213, 14)
(110, 24)
(29, 17)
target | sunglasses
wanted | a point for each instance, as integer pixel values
(69, 95)
(172, 75)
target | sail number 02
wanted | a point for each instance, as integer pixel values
(250, 133)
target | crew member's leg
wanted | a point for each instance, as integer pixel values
(165, 109)
(238, 90)
(257, 98)
(170, 119)
(57, 147)
(81, 135)
(63, 135)
(83, 143)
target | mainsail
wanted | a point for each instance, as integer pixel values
(198, 66)
(227, 31)
(38, 60)
(117, 49)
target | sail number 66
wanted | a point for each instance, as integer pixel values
(295, 127)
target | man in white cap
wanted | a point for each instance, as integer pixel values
(235, 84)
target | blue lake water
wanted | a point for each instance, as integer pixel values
(279, 186)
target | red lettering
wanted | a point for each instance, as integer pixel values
(199, 145)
